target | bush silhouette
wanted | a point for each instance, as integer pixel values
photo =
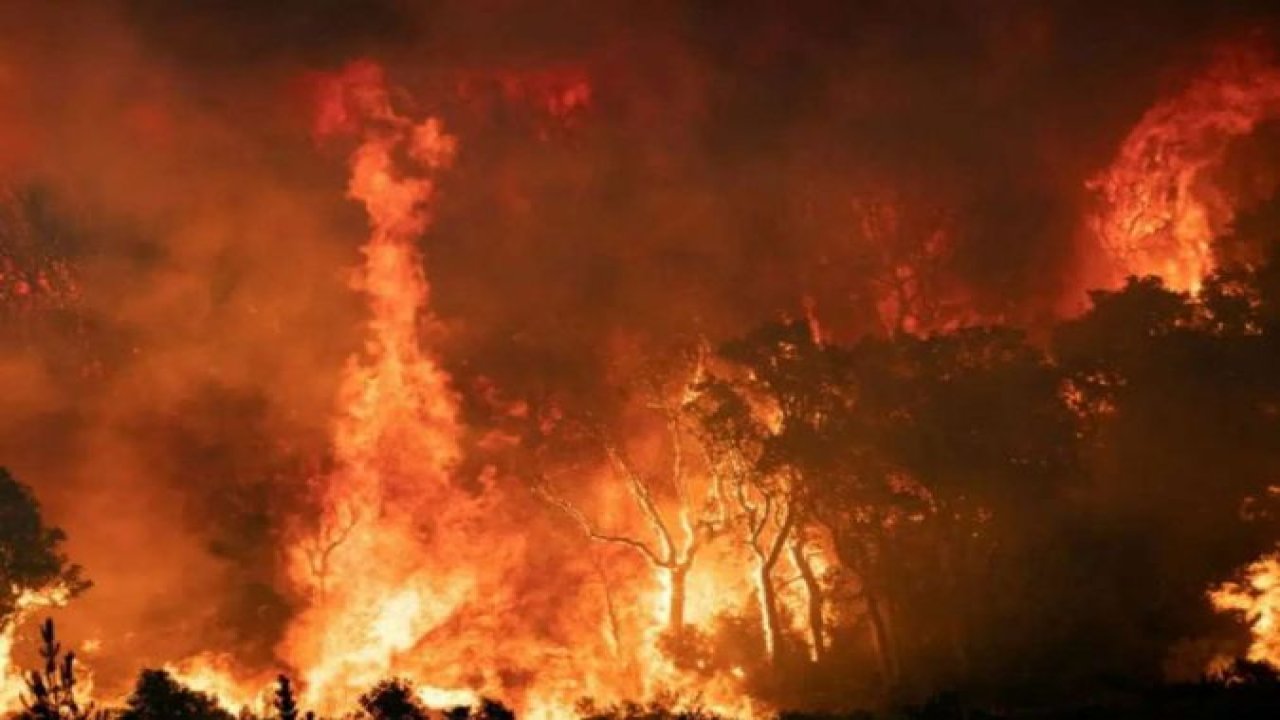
(157, 696)
(393, 699)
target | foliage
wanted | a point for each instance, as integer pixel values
(52, 690)
(487, 710)
(393, 699)
(31, 557)
(158, 696)
(284, 702)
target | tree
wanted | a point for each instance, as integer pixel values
(33, 569)
(52, 690)
(1177, 395)
(786, 426)
(157, 696)
(487, 710)
(694, 513)
(393, 699)
(926, 460)
(663, 708)
(973, 424)
(764, 507)
(286, 705)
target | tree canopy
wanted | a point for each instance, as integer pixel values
(32, 561)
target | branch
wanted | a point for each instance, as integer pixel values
(644, 498)
(784, 531)
(591, 531)
(324, 545)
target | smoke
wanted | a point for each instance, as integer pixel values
(632, 175)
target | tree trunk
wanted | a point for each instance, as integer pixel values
(767, 596)
(676, 577)
(614, 634)
(854, 557)
(813, 600)
(880, 636)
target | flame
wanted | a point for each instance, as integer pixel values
(12, 679)
(406, 574)
(402, 571)
(1160, 209)
(216, 674)
(1256, 599)
(377, 584)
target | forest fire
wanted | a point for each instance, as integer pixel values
(396, 435)
(28, 604)
(1257, 599)
(400, 362)
(1162, 206)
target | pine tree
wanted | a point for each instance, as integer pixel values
(285, 703)
(52, 690)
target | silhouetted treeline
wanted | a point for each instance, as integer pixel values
(1015, 513)
(1245, 691)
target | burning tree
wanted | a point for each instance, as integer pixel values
(762, 500)
(770, 421)
(33, 568)
(682, 508)
(52, 690)
(918, 457)
(34, 572)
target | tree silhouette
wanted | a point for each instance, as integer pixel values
(393, 699)
(763, 502)
(815, 460)
(157, 696)
(488, 710)
(33, 569)
(52, 690)
(286, 705)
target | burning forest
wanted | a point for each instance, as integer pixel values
(639, 360)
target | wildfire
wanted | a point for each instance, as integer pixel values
(216, 674)
(1160, 209)
(403, 571)
(12, 680)
(377, 568)
(1257, 600)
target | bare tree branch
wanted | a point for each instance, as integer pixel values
(592, 532)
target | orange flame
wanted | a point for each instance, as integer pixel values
(1257, 601)
(1160, 210)
(12, 680)
(216, 674)
(403, 571)
(376, 587)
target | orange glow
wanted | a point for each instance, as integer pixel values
(215, 674)
(1159, 207)
(400, 570)
(1256, 599)
(12, 678)
(377, 587)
